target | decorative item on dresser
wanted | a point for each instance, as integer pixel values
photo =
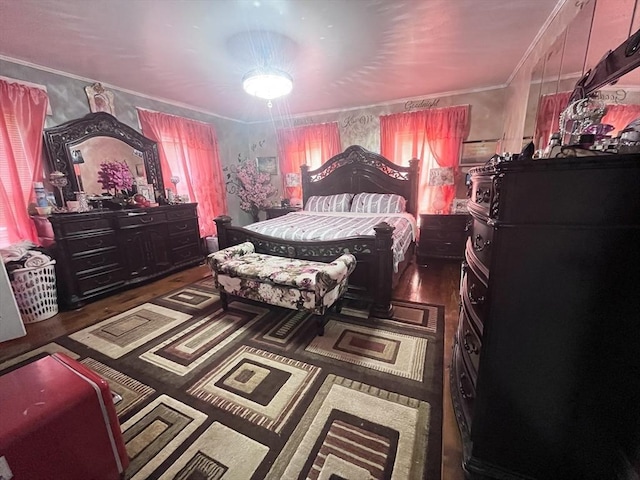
(102, 251)
(441, 236)
(274, 212)
(545, 371)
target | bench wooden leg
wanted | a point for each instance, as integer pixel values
(224, 299)
(320, 325)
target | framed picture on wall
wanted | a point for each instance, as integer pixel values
(478, 152)
(267, 165)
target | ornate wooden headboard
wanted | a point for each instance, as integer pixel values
(358, 170)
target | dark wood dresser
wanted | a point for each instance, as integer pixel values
(545, 375)
(441, 236)
(102, 251)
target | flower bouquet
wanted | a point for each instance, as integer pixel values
(116, 176)
(252, 187)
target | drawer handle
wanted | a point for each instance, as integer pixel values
(182, 227)
(468, 225)
(146, 220)
(95, 244)
(473, 299)
(479, 244)
(469, 346)
(482, 196)
(105, 281)
(463, 393)
(95, 263)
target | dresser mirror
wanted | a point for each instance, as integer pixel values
(78, 147)
(599, 27)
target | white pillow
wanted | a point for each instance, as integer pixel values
(329, 203)
(378, 203)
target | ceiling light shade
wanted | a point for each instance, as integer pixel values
(267, 83)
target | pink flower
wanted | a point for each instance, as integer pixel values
(115, 175)
(253, 188)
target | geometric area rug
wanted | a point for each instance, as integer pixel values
(253, 393)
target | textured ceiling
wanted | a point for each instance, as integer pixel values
(340, 53)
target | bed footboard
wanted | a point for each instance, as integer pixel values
(372, 278)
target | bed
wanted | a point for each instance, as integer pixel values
(380, 259)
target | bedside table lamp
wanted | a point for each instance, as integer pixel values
(438, 178)
(292, 183)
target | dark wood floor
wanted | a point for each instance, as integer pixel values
(436, 283)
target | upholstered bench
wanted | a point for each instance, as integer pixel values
(286, 282)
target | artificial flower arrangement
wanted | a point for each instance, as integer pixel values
(115, 175)
(252, 187)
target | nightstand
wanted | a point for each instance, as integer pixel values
(442, 236)
(274, 212)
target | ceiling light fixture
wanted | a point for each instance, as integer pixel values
(267, 83)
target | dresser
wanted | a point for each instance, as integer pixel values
(102, 251)
(545, 375)
(441, 236)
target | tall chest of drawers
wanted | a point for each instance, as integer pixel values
(102, 251)
(545, 374)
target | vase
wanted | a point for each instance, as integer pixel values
(254, 213)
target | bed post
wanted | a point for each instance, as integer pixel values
(222, 222)
(382, 285)
(304, 176)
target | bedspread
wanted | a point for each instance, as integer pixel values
(317, 227)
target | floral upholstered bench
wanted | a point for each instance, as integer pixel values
(286, 282)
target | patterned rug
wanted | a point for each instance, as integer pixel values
(253, 393)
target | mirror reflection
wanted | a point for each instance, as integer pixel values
(601, 26)
(87, 156)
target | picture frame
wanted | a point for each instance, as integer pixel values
(267, 165)
(478, 152)
(140, 170)
(100, 99)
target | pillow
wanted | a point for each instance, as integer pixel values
(378, 203)
(329, 203)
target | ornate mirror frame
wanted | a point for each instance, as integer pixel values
(59, 139)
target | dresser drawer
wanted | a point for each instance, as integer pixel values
(470, 342)
(188, 225)
(442, 222)
(481, 195)
(134, 219)
(481, 240)
(474, 296)
(89, 243)
(454, 236)
(178, 213)
(184, 239)
(90, 284)
(96, 261)
(86, 226)
(190, 253)
(433, 248)
(462, 385)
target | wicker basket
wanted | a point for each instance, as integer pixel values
(35, 292)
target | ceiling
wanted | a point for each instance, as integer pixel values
(341, 53)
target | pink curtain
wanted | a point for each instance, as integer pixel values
(620, 116)
(548, 117)
(433, 136)
(311, 145)
(189, 150)
(22, 113)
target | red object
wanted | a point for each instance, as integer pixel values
(58, 421)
